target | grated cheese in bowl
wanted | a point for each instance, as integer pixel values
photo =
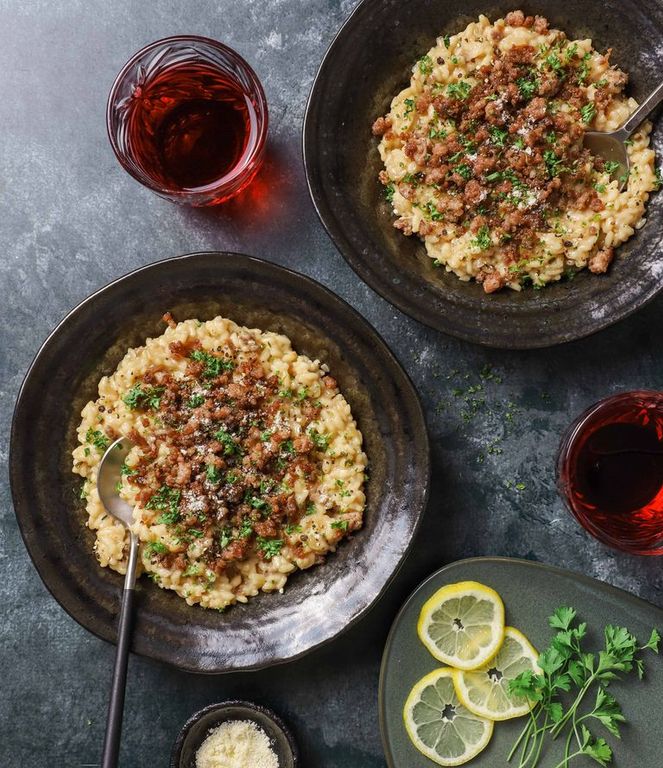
(236, 744)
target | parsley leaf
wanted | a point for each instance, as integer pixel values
(269, 547)
(97, 438)
(483, 240)
(459, 90)
(214, 365)
(425, 65)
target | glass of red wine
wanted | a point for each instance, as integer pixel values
(187, 117)
(610, 471)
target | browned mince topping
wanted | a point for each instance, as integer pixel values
(231, 460)
(516, 158)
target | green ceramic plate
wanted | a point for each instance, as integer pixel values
(531, 592)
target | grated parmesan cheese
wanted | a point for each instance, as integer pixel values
(236, 744)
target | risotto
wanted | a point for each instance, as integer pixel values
(246, 462)
(484, 160)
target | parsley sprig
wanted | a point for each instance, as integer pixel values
(569, 673)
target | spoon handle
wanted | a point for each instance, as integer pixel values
(116, 705)
(647, 106)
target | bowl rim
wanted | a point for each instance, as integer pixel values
(406, 303)
(54, 588)
(249, 706)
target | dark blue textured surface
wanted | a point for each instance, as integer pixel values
(71, 220)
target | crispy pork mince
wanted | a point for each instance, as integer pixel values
(247, 463)
(231, 461)
(484, 153)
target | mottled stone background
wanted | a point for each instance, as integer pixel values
(71, 220)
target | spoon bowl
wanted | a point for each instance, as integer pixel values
(611, 145)
(110, 472)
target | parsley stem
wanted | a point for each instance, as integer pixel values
(559, 727)
(526, 730)
(564, 763)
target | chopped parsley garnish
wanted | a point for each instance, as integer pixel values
(195, 532)
(447, 41)
(611, 166)
(245, 529)
(463, 170)
(583, 69)
(389, 193)
(321, 442)
(195, 401)
(214, 365)
(498, 135)
(138, 398)
(126, 470)
(482, 241)
(169, 518)
(587, 112)
(600, 187)
(553, 61)
(97, 438)
(156, 548)
(527, 87)
(260, 504)
(551, 137)
(340, 525)
(288, 447)
(83, 492)
(553, 163)
(460, 90)
(192, 569)
(212, 474)
(290, 528)
(227, 440)
(269, 547)
(571, 51)
(425, 65)
(437, 133)
(231, 478)
(166, 500)
(225, 537)
(264, 436)
(310, 508)
(658, 180)
(431, 210)
(409, 106)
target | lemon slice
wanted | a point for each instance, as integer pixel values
(484, 691)
(439, 726)
(462, 624)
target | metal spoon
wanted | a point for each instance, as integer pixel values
(107, 479)
(610, 145)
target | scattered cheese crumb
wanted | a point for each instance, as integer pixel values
(236, 744)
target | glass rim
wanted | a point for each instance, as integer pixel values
(247, 159)
(562, 464)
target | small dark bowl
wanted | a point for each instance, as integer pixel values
(366, 65)
(198, 726)
(317, 604)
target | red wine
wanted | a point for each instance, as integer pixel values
(611, 471)
(190, 126)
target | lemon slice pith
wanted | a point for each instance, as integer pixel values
(462, 624)
(439, 726)
(484, 691)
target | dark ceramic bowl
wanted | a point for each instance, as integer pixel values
(198, 726)
(368, 62)
(317, 604)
